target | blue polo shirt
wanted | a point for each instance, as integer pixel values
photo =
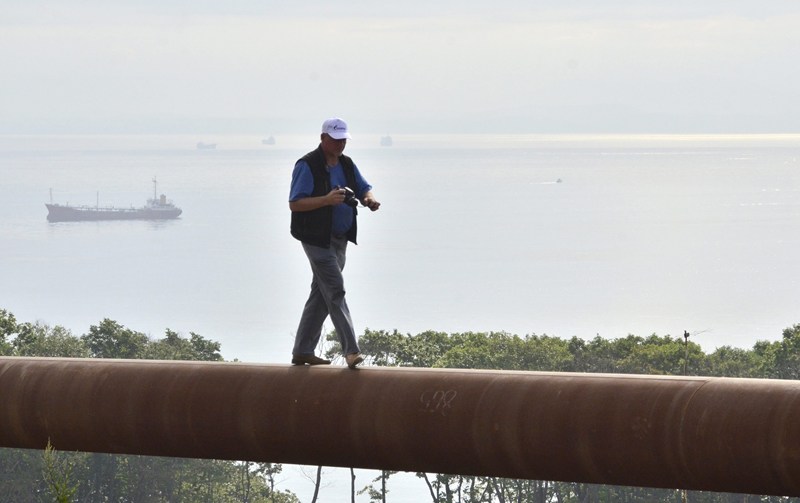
(303, 186)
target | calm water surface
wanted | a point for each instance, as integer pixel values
(564, 235)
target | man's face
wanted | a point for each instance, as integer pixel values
(331, 146)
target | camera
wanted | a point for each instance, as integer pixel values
(350, 197)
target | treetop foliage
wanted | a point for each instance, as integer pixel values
(107, 339)
(633, 354)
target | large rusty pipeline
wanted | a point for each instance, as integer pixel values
(717, 434)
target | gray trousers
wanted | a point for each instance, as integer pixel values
(326, 298)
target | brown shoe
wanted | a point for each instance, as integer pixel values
(309, 360)
(353, 359)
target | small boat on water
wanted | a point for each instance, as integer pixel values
(386, 141)
(206, 146)
(157, 208)
(268, 141)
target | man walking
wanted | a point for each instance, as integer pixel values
(325, 191)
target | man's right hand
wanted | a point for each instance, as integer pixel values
(336, 196)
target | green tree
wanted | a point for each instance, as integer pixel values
(765, 354)
(38, 339)
(109, 339)
(598, 355)
(787, 355)
(378, 494)
(394, 349)
(544, 353)
(442, 488)
(58, 474)
(175, 347)
(425, 349)
(727, 361)
(205, 349)
(8, 328)
(482, 351)
(654, 355)
(382, 347)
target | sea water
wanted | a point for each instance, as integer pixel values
(565, 235)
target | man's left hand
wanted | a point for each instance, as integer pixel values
(371, 203)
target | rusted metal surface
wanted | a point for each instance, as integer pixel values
(730, 435)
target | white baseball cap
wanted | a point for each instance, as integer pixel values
(336, 128)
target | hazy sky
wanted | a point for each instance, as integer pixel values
(528, 66)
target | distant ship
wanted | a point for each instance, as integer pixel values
(206, 146)
(268, 141)
(386, 141)
(157, 208)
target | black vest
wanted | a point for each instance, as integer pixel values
(314, 227)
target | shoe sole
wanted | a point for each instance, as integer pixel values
(358, 360)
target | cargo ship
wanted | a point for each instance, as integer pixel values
(157, 208)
